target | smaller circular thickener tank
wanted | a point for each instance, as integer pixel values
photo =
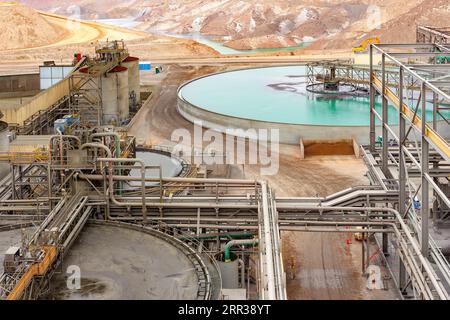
(134, 79)
(170, 165)
(123, 261)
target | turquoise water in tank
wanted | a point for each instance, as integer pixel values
(278, 94)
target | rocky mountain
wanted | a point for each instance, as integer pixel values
(268, 23)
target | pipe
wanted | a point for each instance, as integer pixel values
(108, 151)
(97, 145)
(249, 183)
(111, 183)
(237, 243)
(424, 262)
(22, 217)
(118, 151)
(109, 134)
(61, 137)
(27, 201)
(268, 243)
(65, 136)
(242, 266)
(157, 204)
(17, 208)
(232, 235)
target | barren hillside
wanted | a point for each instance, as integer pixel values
(23, 27)
(269, 23)
(398, 27)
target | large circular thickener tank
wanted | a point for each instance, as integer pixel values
(276, 98)
(122, 261)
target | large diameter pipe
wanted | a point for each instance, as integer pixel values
(115, 135)
(59, 136)
(233, 243)
(230, 182)
(111, 183)
(207, 236)
(118, 150)
(98, 146)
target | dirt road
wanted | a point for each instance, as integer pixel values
(79, 31)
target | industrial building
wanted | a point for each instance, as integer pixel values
(70, 170)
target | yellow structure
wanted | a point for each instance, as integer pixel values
(440, 142)
(36, 269)
(363, 46)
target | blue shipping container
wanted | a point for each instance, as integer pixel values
(145, 66)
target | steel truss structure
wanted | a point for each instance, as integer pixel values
(414, 155)
(433, 35)
(87, 98)
(346, 73)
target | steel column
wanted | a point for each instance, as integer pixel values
(425, 170)
(402, 175)
(385, 133)
(372, 103)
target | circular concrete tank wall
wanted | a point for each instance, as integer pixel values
(170, 166)
(120, 261)
(276, 98)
